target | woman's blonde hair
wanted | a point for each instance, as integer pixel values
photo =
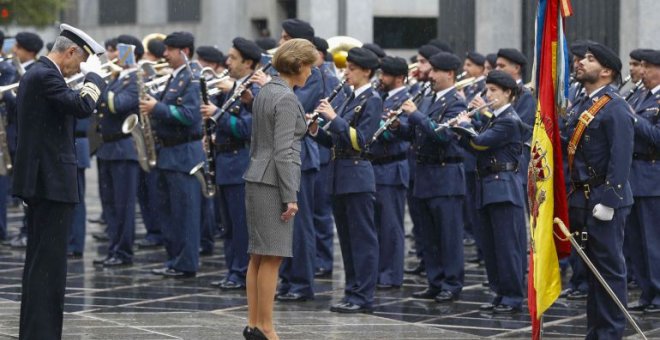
(292, 55)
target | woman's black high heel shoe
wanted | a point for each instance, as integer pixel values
(247, 333)
(257, 334)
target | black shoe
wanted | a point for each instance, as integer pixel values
(418, 270)
(100, 261)
(428, 294)
(446, 296)
(218, 283)
(504, 309)
(231, 285)
(322, 273)
(171, 272)
(257, 334)
(292, 297)
(98, 220)
(74, 255)
(101, 237)
(146, 243)
(636, 307)
(116, 262)
(487, 306)
(564, 293)
(577, 295)
(381, 286)
(652, 309)
(350, 308)
(247, 332)
(19, 242)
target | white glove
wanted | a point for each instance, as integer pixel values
(603, 213)
(93, 64)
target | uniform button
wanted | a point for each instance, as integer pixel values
(235, 152)
(356, 162)
(443, 164)
(497, 177)
(608, 182)
(619, 186)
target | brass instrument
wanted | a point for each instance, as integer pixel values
(10, 87)
(461, 76)
(153, 69)
(625, 81)
(468, 82)
(634, 89)
(156, 85)
(338, 46)
(147, 38)
(452, 122)
(140, 129)
(218, 78)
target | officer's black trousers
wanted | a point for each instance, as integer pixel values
(44, 274)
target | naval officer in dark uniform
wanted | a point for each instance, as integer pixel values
(46, 173)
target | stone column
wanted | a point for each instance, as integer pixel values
(498, 24)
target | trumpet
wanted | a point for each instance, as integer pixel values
(469, 114)
(209, 73)
(468, 82)
(461, 76)
(152, 68)
(10, 87)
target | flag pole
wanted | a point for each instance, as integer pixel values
(598, 276)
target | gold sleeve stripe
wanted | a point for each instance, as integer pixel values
(111, 101)
(92, 90)
(354, 139)
(478, 147)
(487, 113)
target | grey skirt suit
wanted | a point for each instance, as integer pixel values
(273, 175)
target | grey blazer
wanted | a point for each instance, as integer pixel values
(278, 125)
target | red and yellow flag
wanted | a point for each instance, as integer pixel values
(546, 190)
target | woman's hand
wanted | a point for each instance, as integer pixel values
(291, 210)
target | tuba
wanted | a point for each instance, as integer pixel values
(338, 46)
(147, 38)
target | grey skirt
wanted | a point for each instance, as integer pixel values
(267, 233)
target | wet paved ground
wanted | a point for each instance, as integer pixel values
(131, 303)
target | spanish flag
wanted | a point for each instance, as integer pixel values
(546, 191)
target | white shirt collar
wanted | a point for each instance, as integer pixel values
(519, 81)
(656, 89)
(395, 91)
(54, 63)
(28, 63)
(501, 109)
(440, 94)
(361, 89)
(592, 94)
(176, 72)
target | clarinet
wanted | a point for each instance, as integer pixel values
(239, 91)
(397, 113)
(333, 95)
(209, 146)
(634, 89)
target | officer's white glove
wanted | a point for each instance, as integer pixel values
(603, 213)
(93, 64)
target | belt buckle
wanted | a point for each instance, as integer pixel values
(587, 190)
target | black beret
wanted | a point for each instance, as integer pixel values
(296, 28)
(266, 43)
(637, 53)
(29, 41)
(501, 79)
(156, 47)
(131, 40)
(491, 58)
(445, 61)
(49, 46)
(579, 47)
(476, 58)
(443, 46)
(363, 58)
(210, 54)
(512, 55)
(375, 48)
(321, 44)
(394, 66)
(651, 57)
(248, 49)
(428, 50)
(180, 40)
(605, 56)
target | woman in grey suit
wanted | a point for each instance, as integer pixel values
(272, 180)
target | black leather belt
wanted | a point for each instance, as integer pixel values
(347, 154)
(388, 159)
(497, 168)
(114, 137)
(80, 134)
(646, 157)
(589, 184)
(169, 142)
(426, 159)
(231, 146)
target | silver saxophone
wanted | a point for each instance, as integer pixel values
(140, 129)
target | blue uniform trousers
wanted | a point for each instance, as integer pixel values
(147, 196)
(4, 192)
(502, 249)
(208, 224)
(297, 272)
(642, 230)
(605, 249)
(119, 192)
(389, 210)
(179, 205)
(578, 280)
(231, 199)
(77, 228)
(44, 275)
(415, 215)
(354, 217)
(323, 222)
(470, 208)
(442, 231)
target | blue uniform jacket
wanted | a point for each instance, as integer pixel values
(606, 150)
(45, 165)
(234, 128)
(309, 96)
(176, 117)
(82, 143)
(389, 144)
(645, 173)
(350, 135)
(436, 178)
(500, 142)
(525, 106)
(118, 102)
